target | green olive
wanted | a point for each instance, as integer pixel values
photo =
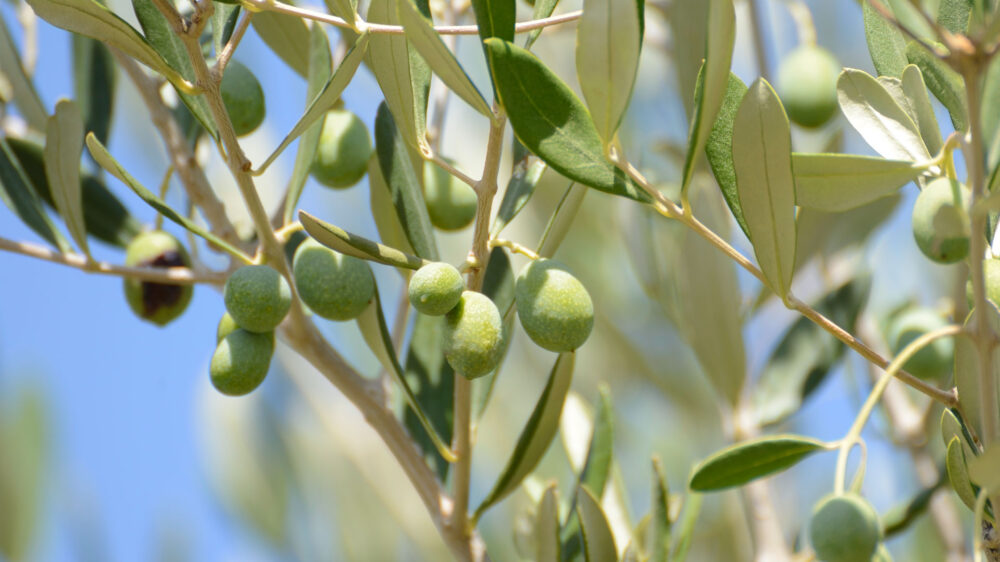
(451, 203)
(940, 223)
(335, 286)
(243, 98)
(935, 359)
(844, 528)
(241, 361)
(435, 288)
(158, 303)
(473, 335)
(226, 326)
(554, 307)
(257, 297)
(344, 148)
(807, 85)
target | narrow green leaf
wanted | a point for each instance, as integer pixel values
(950, 426)
(407, 195)
(428, 43)
(94, 85)
(657, 545)
(63, 148)
(25, 95)
(713, 82)
(762, 159)
(745, 462)
(537, 434)
(287, 36)
(519, 190)
(561, 220)
(598, 542)
(885, 43)
(390, 230)
(719, 148)
(594, 475)
(689, 38)
(551, 122)
(224, 20)
(434, 382)
(692, 508)
(542, 10)
(838, 182)
(607, 60)
(496, 18)
(873, 112)
(353, 245)
(902, 517)
(946, 84)
(16, 193)
(547, 525)
(958, 473)
(389, 57)
(922, 111)
(108, 162)
(953, 15)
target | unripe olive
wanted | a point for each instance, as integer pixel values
(226, 326)
(335, 286)
(991, 275)
(933, 360)
(940, 223)
(554, 308)
(257, 297)
(158, 303)
(807, 85)
(241, 361)
(243, 97)
(473, 335)
(451, 203)
(844, 528)
(344, 148)
(435, 288)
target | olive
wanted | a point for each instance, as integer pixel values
(473, 335)
(554, 308)
(158, 303)
(435, 288)
(257, 297)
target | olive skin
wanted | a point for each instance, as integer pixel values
(473, 335)
(226, 326)
(933, 361)
(241, 361)
(554, 308)
(940, 224)
(435, 288)
(451, 203)
(159, 303)
(844, 528)
(243, 98)
(344, 149)
(333, 285)
(807, 85)
(257, 297)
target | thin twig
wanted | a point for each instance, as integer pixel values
(234, 41)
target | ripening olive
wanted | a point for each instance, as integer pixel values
(807, 85)
(335, 286)
(554, 307)
(257, 297)
(933, 360)
(243, 97)
(451, 203)
(435, 288)
(344, 148)
(844, 528)
(241, 361)
(473, 335)
(158, 303)
(940, 223)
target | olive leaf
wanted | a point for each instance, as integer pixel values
(953, 15)
(946, 84)
(94, 84)
(551, 122)
(25, 95)
(519, 190)
(719, 148)
(657, 532)
(984, 469)
(542, 10)
(287, 36)
(598, 542)
(920, 109)
(561, 220)
(689, 32)
(958, 473)
(838, 182)
(398, 75)
(745, 462)
(594, 475)
(689, 517)
(338, 239)
(22, 200)
(223, 23)
(885, 42)
(873, 112)
(496, 18)
(537, 434)
(63, 148)
(901, 518)
(547, 525)
(434, 382)
(390, 230)
(762, 159)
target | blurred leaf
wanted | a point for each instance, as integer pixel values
(958, 473)
(806, 354)
(224, 20)
(901, 518)
(287, 36)
(839, 182)
(682, 542)
(547, 525)
(689, 32)
(745, 462)
(94, 85)
(762, 158)
(345, 9)
(561, 220)
(390, 59)
(106, 161)
(719, 148)
(24, 444)
(519, 190)
(825, 234)
(21, 199)
(63, 148)
(984, 469)
(407, 195)
(967, 369)
(29, 104)
(595, 473)
(885, 43)
(433, 381)
(657, 544)
(420, 32)
(921, 109)
(598, 542)
(991, 119)
(873, 112)
(345, 242)
(607, 60)
(551, 122)
(537, 434)
(953, 15)
(946, 84)
(713, 82)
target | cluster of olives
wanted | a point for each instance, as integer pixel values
(554, 308)
(159, 303)
(807, 85)
(845, 528)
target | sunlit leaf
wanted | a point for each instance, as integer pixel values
(958, 473)
(598, 542)
(561, 220)
(922, 111)
(63, 148)
(873, 112)
(389, 57)
(595, 473)
(745, 462)
(547, 525)
(345, 242)
(287, 36)
(885, 43)
(946, 84)
(838, 182)
(953, 15)
(519, 190)
(719, 148)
